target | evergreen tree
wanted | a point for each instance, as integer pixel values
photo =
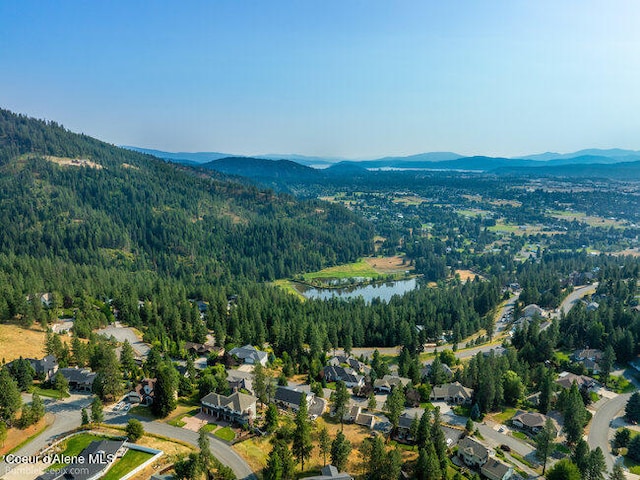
(260, 383)
(324, 443)
(302, 445)
(394, 405)
(85, 417)
(372, 404)
(271, 418)
(23, 373)
(617, 473)
(166, 388)
(10, 399)
(580, 456)
(340, 450)
(596, 466)
(340, 399)
(127, 359)
(575, 415)
(274, 470)
(632, 409)
(438, 441)
(546, 391)
(428, 467)
(544, 443)
(633, 450)
(37, 407)
(134, 430)
(205, 457)
(61, 384)
(423, 437)
(97, 416)
(564, 470)
(622, 438)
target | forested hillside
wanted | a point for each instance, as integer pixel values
(70, 197)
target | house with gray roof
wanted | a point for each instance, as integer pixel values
(80, 379)
(92, 463)
(494, 469)
(291, 398)
(237, 407)
(452, 393)
(472, 453)
(386, 383)
(346, 374)
(250, 354)
(531, 422)
(330, 472)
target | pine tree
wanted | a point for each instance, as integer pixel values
(617, 473)
(596, 466)
(127, 359)
(260, 383)
(85, 417)
(564, 470)
(302, 445)
(97, 416)
(340, 450)
(438, 441)
(166, 388)
(632, 409)
(575, 415)
(324, 443)
(544, 442)
(37, 408)
(134, 430)
(61, 384)
(340, 397)
(394, 405)
(10, 399)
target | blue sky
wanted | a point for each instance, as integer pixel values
(356, 79)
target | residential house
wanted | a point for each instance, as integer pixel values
(80, 379)
(452, 393)
(472, 453)
(566, 379)
(240, 383)
(144, 392)
(366, 420)
(346, 374)
(426, 371)
(589, 357)
(291, 398)
(532, 310)
(329, 472)
(91, 464)
(351, 414)
(494, 469)
(250, 354)
(452, 435)
(386, 383)
(45, 368)
(237, 407)
(357, 365)
(530, 422)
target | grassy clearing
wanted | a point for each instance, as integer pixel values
(130, 460)
(209, 427)
(503, 416)
(225, 434)
(49, 392)
(357, 269)
(288, 287)
(142, 411)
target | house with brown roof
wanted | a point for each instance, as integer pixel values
(144, 392)
(386, 383)
(566, 379)
(531, 422)
(237, 407)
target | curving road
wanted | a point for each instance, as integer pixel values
(600, 426)
(67, 417)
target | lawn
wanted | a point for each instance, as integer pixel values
(142, 411)
(75, 445)
(357, 269)
(633, 466)
(505, 415)
(209, 427)
(49, 392)
(128, 462)
(225, 434)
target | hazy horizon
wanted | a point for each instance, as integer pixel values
(355, 80)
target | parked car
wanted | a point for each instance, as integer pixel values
(505, 448)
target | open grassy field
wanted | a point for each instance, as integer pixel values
(16, 341)
(130, 460)
(357, 269)
(590, 220)
(388, 265)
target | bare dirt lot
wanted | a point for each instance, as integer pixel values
(386, 265)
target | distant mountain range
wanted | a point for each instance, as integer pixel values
(611, 163)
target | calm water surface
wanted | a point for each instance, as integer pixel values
(383, 291)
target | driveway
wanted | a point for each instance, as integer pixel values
(122, 333)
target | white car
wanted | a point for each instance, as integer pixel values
(126, 407)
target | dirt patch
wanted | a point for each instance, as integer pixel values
(15, 436)
(386, 265)
(466, 275)
(73, 162)
(630, 252)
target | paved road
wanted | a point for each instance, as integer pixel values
(67, 416)
(221, 450)
(575, 296)
(497, 438)
(122, 333)
(599, 431)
